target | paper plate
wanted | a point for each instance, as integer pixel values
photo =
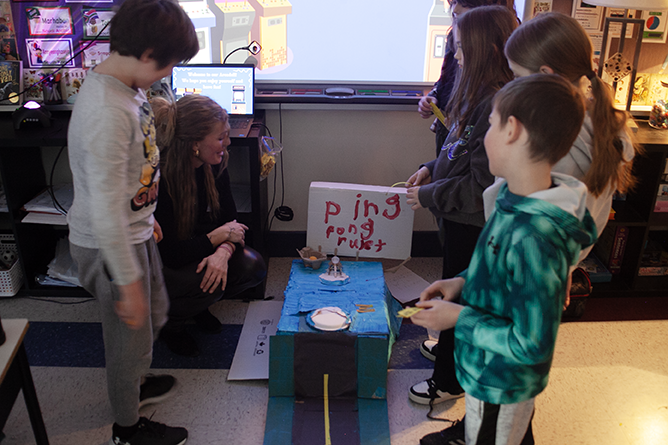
(329, 318)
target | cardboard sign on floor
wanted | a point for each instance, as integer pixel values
(251, 359)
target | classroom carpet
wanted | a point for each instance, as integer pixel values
(76, 344)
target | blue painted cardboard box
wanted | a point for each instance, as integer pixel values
(373, 333)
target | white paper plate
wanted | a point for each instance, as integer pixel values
(329, 318)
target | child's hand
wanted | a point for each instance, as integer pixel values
(412, 198)
(157, 231)
(424, 108)
(437, 314)
(132, 308)
(447, 289)
(569, 283)
(420, 177)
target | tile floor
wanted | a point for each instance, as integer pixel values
(608, 386)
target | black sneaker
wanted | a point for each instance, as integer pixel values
(429, 349)
(454, 435)
(426, 393)
(208, 323)
(152, 433)
(156, 388)
(180, 342)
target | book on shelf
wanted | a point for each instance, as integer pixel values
(598, 273)
(661, 204)
(44, 202)
(42, 209)
(654, 260)
(610, 247)
(11, 84)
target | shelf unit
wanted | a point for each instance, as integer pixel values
(637, 213)
(23, 177)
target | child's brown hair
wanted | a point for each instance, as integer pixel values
(161, 26)
(549, 107)
(559, 42)
(483, 32)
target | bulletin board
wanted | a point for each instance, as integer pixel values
(51, 34)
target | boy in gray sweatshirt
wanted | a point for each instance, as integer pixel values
(114, 163)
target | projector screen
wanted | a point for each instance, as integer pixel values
(344, 41)
(356, 41)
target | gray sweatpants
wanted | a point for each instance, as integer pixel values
(128, 352)
(489, 424)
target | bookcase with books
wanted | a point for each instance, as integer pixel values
(634, 245)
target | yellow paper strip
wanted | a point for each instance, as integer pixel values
(438, 113)
(328, 439)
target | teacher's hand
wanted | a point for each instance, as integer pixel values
(216, 270)
(236, 232)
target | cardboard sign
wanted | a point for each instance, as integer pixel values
(251, 359)
(374, 221)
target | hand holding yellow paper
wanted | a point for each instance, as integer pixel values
(409, 311)
(438, 113)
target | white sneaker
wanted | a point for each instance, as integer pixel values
(426, 392)
(429, 348)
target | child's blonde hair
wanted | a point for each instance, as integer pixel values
(559, 42)
(179, 125)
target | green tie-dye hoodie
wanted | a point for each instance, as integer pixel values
(515, 288)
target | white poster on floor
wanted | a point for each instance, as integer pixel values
(251, 359)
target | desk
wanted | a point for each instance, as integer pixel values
(23, 177)
(16, 376)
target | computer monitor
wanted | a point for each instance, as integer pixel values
(231, 86)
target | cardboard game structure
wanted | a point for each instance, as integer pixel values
(331, 387)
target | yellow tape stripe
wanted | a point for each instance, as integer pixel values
(328, 439)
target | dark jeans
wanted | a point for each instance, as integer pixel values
(246, 269)
(459, 241)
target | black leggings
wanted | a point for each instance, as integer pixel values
(246, 269)
(459, 241)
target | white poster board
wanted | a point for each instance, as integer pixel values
(374, 221)
(251, 359)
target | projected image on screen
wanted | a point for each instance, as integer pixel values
(395, 41)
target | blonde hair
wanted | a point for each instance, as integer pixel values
(179, 126)
(559, 42)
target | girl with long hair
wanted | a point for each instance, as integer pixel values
(451, 186)
(602, 156)
(203, 250)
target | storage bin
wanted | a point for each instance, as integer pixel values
(10, 280)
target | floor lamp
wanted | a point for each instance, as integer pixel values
(653, 5)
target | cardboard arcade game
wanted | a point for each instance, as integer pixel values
(330, 386)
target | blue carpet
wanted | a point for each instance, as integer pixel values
(406, 351)
(64, 344)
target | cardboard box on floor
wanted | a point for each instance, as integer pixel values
(310, 365)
